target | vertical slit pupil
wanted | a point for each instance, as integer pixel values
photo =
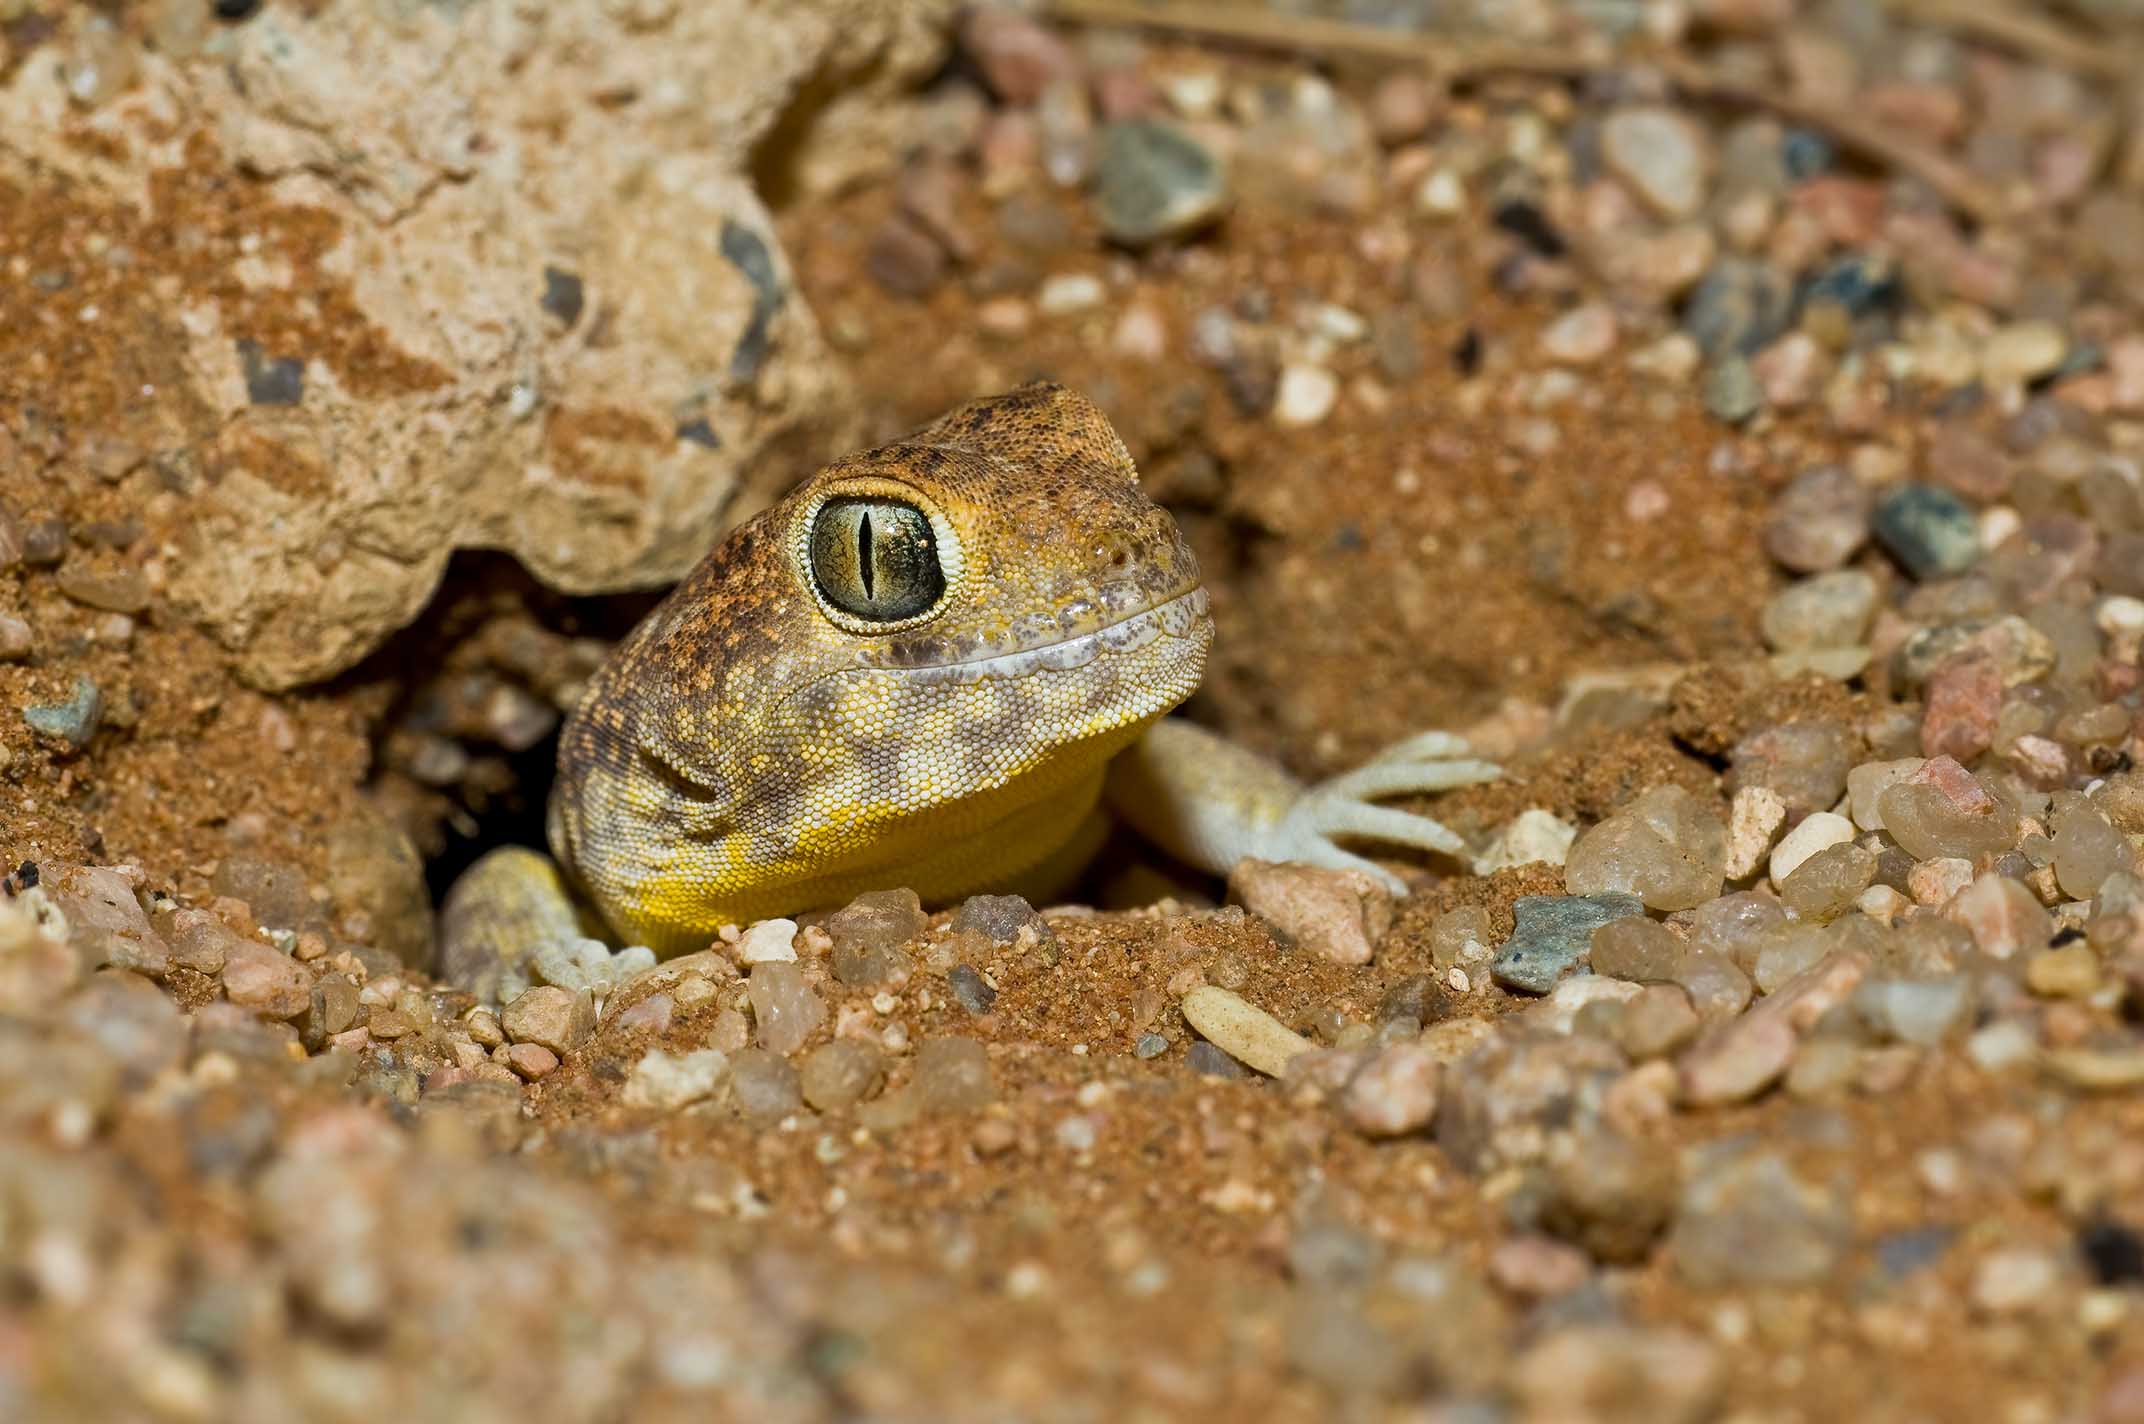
(863, 551)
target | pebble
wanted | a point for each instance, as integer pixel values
(265, 981)
(2022, 352)
(765, 1088)
(953, 1075)
(1240, 1029)
(1636, 948)
(1731, 391)
(1662, 155)
(1580, 336)
(16, 641)
(1827, 610)
(1552, 934)
(1935, 883)
(1338, 915)
(2003, 916)
(2088, 849)
(1819, 520)
(1069, 292)
(1659, 1021)
(769, 941)
(1402, 107)
(973, 991)
(785, 1008)
(551, 1016)
(1917, 1011)
(1815, 832)
(1018, 56)
(122, 591)
(840, 1074)
(1930, 531)
(1962, 707)
(1754, 817)
(1751, 1220)
(2014, 1281)
(1739, 306)
(904, 259)
(1534, 837)
(531, 1061)
(2070, 972)
(1805, 762)
(1155, 180)
(74, 721)
(1306, 394)
(1604, 1371)
(1668, 848)
(665, 1082)
(1394, 1093)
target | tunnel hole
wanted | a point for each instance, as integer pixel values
(468, 703)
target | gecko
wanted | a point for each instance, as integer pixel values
(943, 663)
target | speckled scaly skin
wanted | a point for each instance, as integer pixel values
(744, 754)
(754, 750)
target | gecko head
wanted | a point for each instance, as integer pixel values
(1002, 568)
(920, 644)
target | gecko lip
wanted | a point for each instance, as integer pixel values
(1178, 617)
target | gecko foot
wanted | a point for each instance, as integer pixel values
(588, 964)
(1345, 806)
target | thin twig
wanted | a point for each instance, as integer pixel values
(1459, 61)
(2031, 35)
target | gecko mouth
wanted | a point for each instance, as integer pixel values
(1184, 616)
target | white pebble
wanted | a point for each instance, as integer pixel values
(769, 941)
(1306, 394)
(1820, 830)
(1753, 818)
(1070, 292)
(1241, 1029)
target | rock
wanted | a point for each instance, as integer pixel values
(1730, 389)
(1964, 700)
(1534, 837)
(842, 1073)
(1805, 762)
(1745, 1056)
(1662, 155)
(868, 932)
(1916, 1011)
(1934, 882)
(1658, 1022)
(1019, 57)
(763, 1087)
(1867, 782)
(1930, 531)
(1551, 935)
(1739, 306)
(1829, 610)
(1817, 831)
(269, 983)
(2070, 972)
(905, 259)
(2003, 916)
(1514, 1097)
(1635, 948)
(1610, 1195)
(1751, 1220)
(1827, 884)
(1306, 394)
(2088, 849)
(1620, 1372)
(953, 1075)
(1667, 847)
(550, 1016)
(1819, 520)
(1929, 820)
(105, 922)
(373, 871)
(16, 640)
(768, 942)
(121, 591)
(1580, 336)
(1753, 820)
(1245, 1032)
(1402, 107)
(2022, 352)
(431, 394)
(1154, 180)
(1337, 915)
(973, 991)
(1001, 919)
(1066, 292)
(276, 892)
(74, 721)
(1393, 1094)
(785, 1008)
(666, 1082)
(531, 1061)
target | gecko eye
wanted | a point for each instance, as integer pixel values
(876, 559)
